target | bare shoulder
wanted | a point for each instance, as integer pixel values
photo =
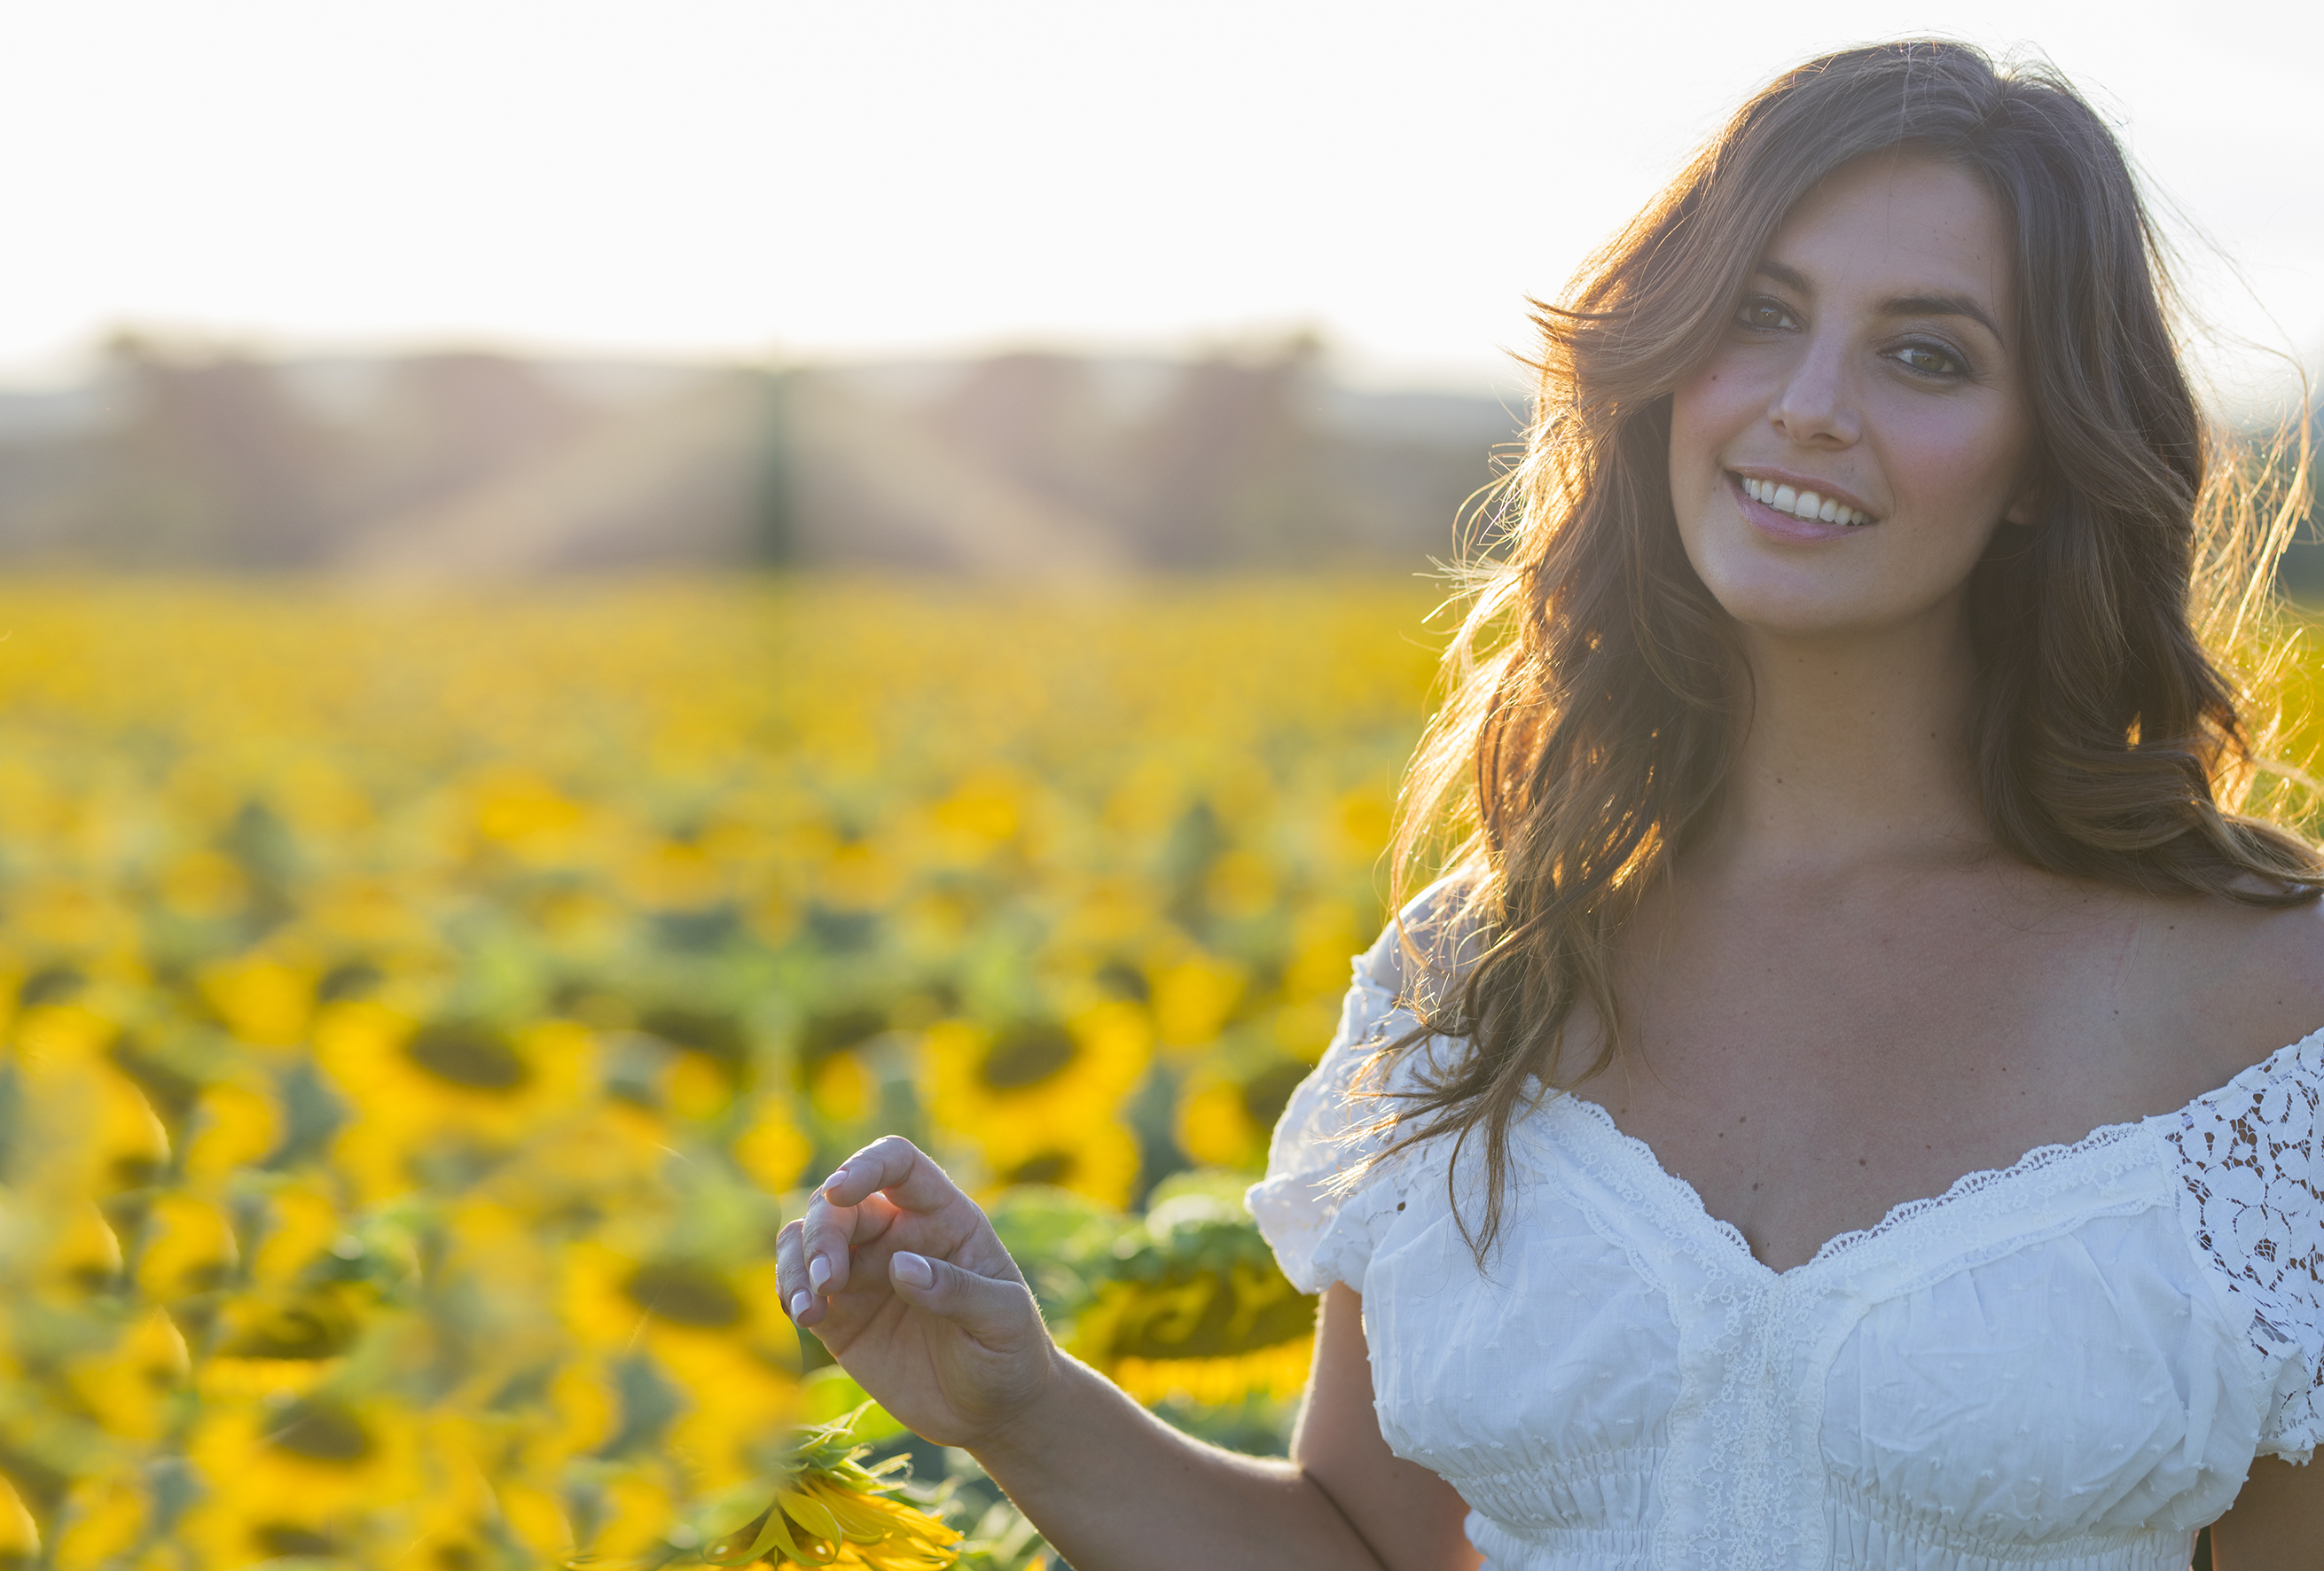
(2251, 978)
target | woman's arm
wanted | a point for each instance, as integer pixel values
(1114, 1488)
(918, 1301)
(1411, 1518)
(2277, 1522)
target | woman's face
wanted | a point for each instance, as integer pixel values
(1872, 362)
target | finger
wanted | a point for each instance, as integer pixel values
(828, 1234)
(994, 1312)
(790, 1269)
(806, 1306)
(961, 1234)
(892, 1165)
(823, 1249)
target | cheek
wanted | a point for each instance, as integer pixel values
(1708, 410)
(1960, 463)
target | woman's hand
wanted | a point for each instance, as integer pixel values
(918, 1301)
(902, 1277)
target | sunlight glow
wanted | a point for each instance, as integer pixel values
(732, 178)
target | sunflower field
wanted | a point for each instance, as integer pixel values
(421, 1010)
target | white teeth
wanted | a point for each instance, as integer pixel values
(1802, 504)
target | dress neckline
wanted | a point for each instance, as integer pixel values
(1689, 1200)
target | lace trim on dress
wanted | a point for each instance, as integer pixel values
(2040, 1157)
(2250, 1158)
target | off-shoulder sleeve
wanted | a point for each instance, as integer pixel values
(2252, 1157)
(1320, 1230)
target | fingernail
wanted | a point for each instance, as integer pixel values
(818, 1271)
(834, 1178)
(799, 1301)
(911, 1270)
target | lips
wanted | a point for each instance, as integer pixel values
(1790, 523)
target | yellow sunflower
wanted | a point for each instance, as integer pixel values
(634, 1505)
(536, 1515)
(772, 1150)
(420, 1089)
(287, 1311)
(527, 815)
(20, 1537)
(827, 1509)
(1198, 1307)
(611, 1300)
(185, 1247)
(576, 1414)
(103, 1517)
(735, 1397)
(450, 1523)
(67, 1249)
(1224, 1119)
(236, 1122)
(302, 1220)
(605, 1157)
(297, 1477)
(1278, 1372)
(264, 998)
(1040, 1099)
(129, 1388)
(89, 1127)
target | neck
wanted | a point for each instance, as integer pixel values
(1856, 749)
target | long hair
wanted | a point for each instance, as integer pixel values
(1594, 705)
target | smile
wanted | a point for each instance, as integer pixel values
(1803, 504)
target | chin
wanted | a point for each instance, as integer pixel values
(1799, 615)
(1787, 597)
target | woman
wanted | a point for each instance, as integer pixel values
(1847, 810)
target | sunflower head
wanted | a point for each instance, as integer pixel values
(1196, 1286)
(1040, 1098)
(829, 1509)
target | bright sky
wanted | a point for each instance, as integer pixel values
(816, 177)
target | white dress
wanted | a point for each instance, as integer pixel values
(2069, 1364)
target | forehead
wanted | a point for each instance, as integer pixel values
(1893, 224)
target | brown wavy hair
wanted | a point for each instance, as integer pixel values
(1596, 696)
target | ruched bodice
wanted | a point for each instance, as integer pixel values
(2069, 1362)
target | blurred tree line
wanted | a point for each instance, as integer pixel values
(458, 463)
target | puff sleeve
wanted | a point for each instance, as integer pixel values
(1322, 1231)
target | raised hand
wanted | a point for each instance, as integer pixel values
(902, 1277)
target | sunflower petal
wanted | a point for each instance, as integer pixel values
(859, 1515)
(891, 1534)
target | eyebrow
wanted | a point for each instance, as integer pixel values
(1929, 303)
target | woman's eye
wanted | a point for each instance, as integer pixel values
(1763, 313)
(1930, 359)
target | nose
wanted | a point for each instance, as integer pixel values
(1814, 406)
